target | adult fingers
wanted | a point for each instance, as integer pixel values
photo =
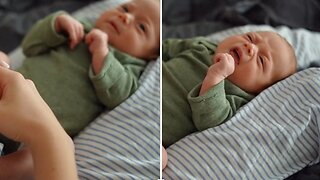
(4, 60)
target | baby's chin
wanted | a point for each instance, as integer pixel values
(248, 88)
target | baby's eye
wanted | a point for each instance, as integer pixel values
(125, 9)
(142, 27)
(261, 60)
(249, 37)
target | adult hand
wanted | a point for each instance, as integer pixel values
(23, 113)
(164, 158)
(4, 60)
(25, 117)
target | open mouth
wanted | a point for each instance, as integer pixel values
(114, 26)
(235, 53)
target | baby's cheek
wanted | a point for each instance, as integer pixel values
(246, 79)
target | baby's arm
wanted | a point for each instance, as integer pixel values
(118, 77)
(209, 102)
(98, 46)
(72, 27)
(49, 33)
(172, 48)
(223, 66)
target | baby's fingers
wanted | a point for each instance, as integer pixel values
(230, 64)
(88, 38)
(72, 39)
(229, 61)
(80, 32)
(75, 35)
(219, 57)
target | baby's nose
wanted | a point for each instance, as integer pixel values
(250, 48)
(126, 18)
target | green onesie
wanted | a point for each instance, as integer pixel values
(184, 66)
(65, 79)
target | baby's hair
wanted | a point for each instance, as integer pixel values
(291, 48)
(293, 56)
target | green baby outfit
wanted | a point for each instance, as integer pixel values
(65, 80)
(184, 65)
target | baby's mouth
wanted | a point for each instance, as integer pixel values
(115, 27)
(234, 52)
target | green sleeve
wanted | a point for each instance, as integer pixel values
(118, 78)
(42, 36)
(214, 107)
(172, 47)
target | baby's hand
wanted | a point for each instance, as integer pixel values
(223, 67)
(97, 41)
(67, 24)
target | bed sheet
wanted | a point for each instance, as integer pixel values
(271, 137)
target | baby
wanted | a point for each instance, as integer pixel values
(200, 92)
(80, 70)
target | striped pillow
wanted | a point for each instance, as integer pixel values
(124, 143)
(272, 137)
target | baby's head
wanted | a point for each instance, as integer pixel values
(133, 28)
(261, 59)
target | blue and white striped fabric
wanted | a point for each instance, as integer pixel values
(272, 137)
(125, 142)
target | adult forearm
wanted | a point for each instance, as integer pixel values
(53, 156)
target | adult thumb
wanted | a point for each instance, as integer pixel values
(4, 60)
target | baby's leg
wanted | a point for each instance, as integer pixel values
(164, 158)
(17, 165)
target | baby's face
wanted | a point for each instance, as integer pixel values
(261, 59)
(133, 28)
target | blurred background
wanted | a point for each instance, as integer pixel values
(17, 16)
(190, 18)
